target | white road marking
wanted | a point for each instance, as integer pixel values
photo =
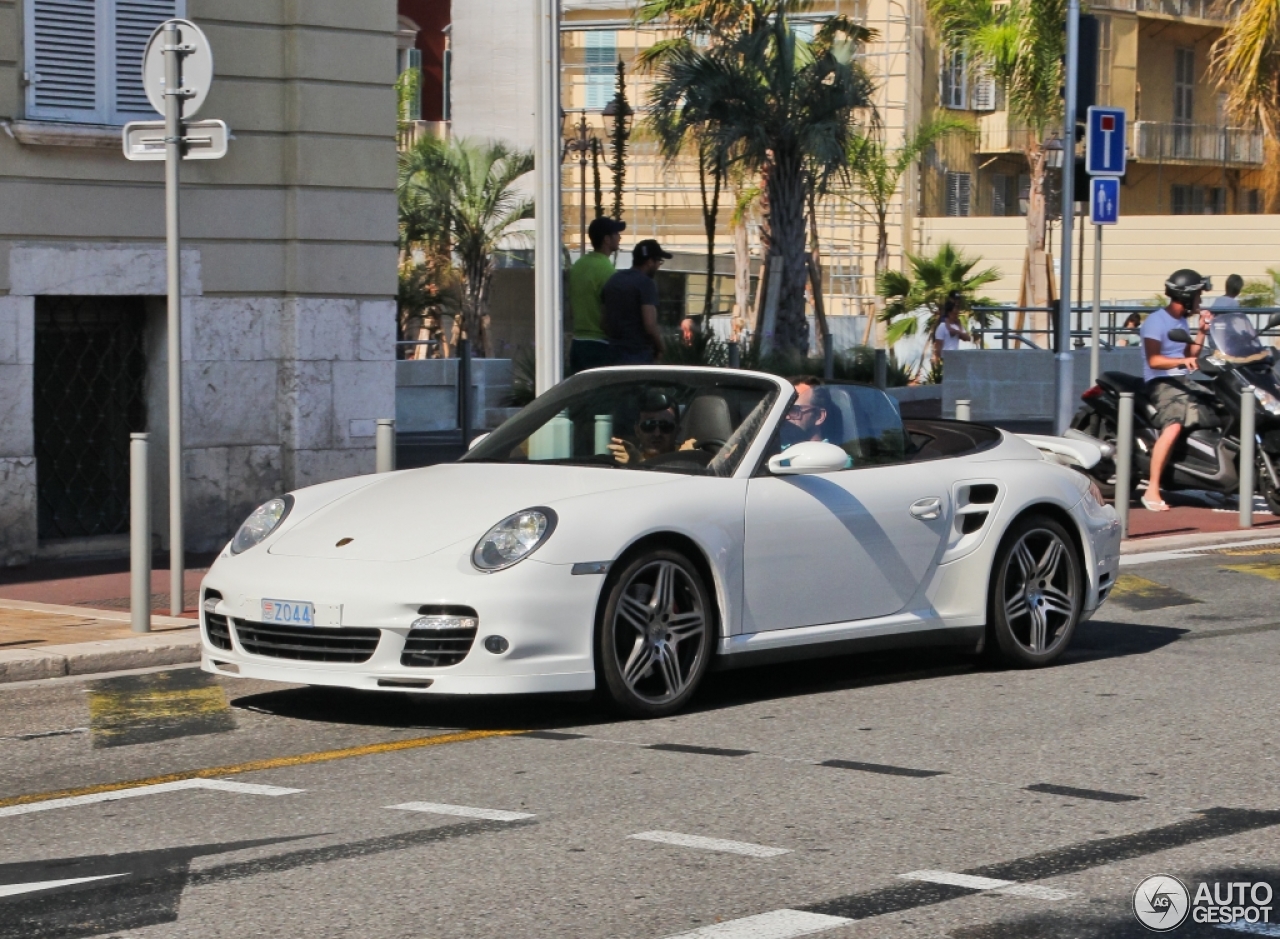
(12, 890)
(1181, 554)
(778, 924)
(1253, 929)
(217, 785)
(1007, 887)
(957, 880)
(710, 844)
(465, 811)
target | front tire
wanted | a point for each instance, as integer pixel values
(1037, 590)
(656, 634)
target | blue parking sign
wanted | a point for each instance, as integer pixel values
(1105, 149)
(1104, 200)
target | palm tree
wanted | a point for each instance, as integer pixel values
(774, 104)
(931, 281)
(876, 171)
(460, 197)
(1245, 65)
(1021, 43)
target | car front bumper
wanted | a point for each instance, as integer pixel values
(544, 612)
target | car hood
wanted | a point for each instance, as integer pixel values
(414, 513)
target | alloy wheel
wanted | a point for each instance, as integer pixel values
(1039, 591)
(660, 632)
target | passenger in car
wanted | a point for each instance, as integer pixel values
(812, 416)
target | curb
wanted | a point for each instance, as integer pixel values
(144, 650)
(1206, 539)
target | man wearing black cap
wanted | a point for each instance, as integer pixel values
(590, 347)
(631, 307)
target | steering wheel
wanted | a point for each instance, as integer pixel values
(698, 458)
(712, 445)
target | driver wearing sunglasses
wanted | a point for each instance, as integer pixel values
(655, 432)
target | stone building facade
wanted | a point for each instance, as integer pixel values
(289, 264)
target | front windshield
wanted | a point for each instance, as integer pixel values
(1234, 336)
(670, 420)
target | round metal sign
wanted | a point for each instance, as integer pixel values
(197, 67)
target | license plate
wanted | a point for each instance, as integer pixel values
(292, 612)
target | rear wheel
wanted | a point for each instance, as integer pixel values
(656, 634)
(1266, 488)
(1037, 590)
(1104, 471)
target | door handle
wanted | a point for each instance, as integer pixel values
(927, 509)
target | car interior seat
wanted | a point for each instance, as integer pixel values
(707, 418)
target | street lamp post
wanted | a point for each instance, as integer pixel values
(582, 142)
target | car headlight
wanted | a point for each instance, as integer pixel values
(265, 519)
(513, 539)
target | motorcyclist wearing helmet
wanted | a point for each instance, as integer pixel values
(1179, 403)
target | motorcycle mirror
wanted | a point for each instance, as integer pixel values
(1179, 335)
(1273, 322)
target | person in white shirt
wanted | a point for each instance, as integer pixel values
(1178, 402)
(949, 333)
(1231, 299)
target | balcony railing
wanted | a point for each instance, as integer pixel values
(410, 132)
(1160, 142)
(1193, 9)
(997, 134)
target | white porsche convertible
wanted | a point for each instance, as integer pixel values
(634, 527)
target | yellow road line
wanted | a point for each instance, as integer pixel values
(1271, 570)
(253, 766)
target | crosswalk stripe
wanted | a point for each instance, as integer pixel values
(464, 811)
(217, 785)
(777, 924)
(710, 844)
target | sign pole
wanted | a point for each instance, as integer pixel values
(1095, 329)
(173, 160)
(1063, 346)
(548, 332)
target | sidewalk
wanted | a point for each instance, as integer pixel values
(72, 618)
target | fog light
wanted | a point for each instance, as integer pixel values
(496, 644)
(445, 621)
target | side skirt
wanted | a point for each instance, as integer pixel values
(966, 637)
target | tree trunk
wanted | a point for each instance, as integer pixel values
(710, 213)
(871, 337)
(1035, 290)
(475, 312)
(787, 224)
(741, 276)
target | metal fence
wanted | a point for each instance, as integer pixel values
(1196, 143)
(1003, 332)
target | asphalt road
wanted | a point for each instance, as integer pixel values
(790, 801)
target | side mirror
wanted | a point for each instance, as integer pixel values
(1179, 335)
(808, 458)
(1273, 322)
(476, 440)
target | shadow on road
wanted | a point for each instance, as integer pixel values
(1094, 641)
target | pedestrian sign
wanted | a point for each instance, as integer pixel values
(1104, 200)
(1105, 149)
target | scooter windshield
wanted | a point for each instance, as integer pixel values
(1233, 335)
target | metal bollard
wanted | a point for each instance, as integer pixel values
(882, 369)
(735, 355)
(1124, 461)
(1248, 455)
(464, 391)
(385, 441)
(962, 410)
(139, 536)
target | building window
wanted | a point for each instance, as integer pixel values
(1251, 201)
(1215, 202)
(958, 189)
(984, 91)
(954, 81)
(999, 194)
(601, 63)
(84, 58)
(1104, 59)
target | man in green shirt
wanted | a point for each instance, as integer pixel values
(590, 348)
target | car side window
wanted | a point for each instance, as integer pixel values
(866, 424)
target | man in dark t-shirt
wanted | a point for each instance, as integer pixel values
(630, 302)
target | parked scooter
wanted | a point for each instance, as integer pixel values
(1207, 458)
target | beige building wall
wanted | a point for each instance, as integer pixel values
(289, 255)
(1137, 254)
